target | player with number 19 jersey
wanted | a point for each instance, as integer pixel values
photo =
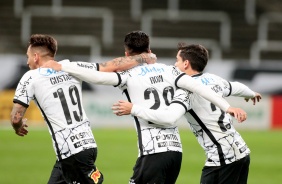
(59, 97)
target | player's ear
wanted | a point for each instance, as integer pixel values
(149, 51)
(35, 57)
(186, 63)
(126, 53)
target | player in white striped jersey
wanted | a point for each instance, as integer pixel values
(59, 97)
(153, 86)
(227, 154)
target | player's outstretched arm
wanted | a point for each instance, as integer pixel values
(255, 99)
(166, 117)
(84, 71)
(17, 121)
(127, 62)
(117, 64)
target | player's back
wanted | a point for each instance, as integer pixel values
(213, 127)
(59, 97)
(153, 85)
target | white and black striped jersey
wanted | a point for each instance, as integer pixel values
(212, 127)
(59, 97)
(151, 86)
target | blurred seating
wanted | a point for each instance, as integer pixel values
(263, 42)
(19, 18)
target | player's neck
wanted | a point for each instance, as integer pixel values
(191, 72)
(44, 60)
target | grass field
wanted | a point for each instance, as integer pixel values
(29, 160)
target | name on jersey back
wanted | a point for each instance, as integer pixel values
(60, 79)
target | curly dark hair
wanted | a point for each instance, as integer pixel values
(136, 42)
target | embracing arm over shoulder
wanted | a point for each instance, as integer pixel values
(115, 65)
(88, 71)
(187, 82)
(90, 75)
(127, 62)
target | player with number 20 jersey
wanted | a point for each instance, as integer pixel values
(152, 86)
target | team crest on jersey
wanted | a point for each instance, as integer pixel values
(95, 175)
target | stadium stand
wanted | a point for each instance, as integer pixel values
(127, 16)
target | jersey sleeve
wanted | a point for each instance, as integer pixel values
(241, 90)
(166, 117)
(187, 82)
(184, 98)
(24, 91)
(88, 73)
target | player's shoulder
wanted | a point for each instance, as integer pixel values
(30, 73)
(64, 61)
(208, 76)
(213, 79)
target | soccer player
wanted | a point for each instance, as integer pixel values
(153, 86)
(59, 97)
(227, 154)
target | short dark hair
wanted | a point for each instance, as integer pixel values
(197, 55)
(136, 42)
(44, 41)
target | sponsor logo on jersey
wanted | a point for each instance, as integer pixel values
(169, 143)
(47, 71)
(217, 88)
(176, 71)
(207, 81)
(81, 135)
(145, 70)
(84, 142)
(167, 137)
(243, 149)
(24, 86)
(86, 66)
(95, 175)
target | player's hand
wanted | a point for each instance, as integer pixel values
(255, 99)
(238, 114)
(150, 58)
(52, 64)
(122, 108)
(22, 131)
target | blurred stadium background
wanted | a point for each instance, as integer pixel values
(243, 37)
